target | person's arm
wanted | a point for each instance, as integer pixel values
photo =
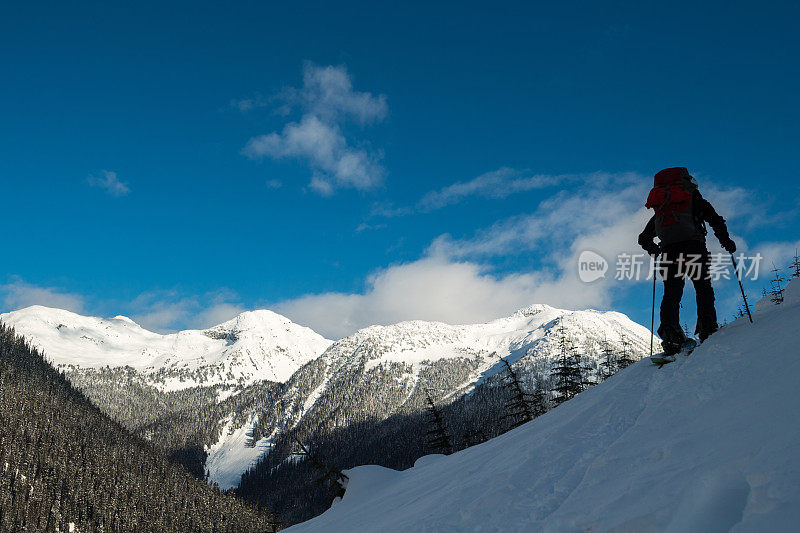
(646, 238)
(708, 214)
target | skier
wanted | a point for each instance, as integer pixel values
(679, 223)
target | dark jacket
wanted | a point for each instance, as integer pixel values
(703, 212)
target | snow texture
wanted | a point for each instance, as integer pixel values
(233, 454)
(708, 443)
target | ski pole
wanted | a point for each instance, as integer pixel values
(741, 288)
(653, 307)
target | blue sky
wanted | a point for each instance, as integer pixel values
(349, 164)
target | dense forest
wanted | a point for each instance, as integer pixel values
(64, 465)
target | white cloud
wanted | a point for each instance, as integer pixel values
(777, 254)
(388, 210)
(366, 227)
(248, 104)
(217, 314)
(452, 282)
(243, 104)
(18, 294)
(110, 183)
(434, 288)
(499, 183)
(328, 101)
(325, 149)
(602, 201)
(328, 93)
(169, 310)
(160, 310)
(320, 184)
(427, 289)
(740, 204)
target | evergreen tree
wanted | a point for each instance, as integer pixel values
(332, 477)
(625, 360)
(609, 364)
(795, 266)
(776, 286)
(521, 407)
(438, 438)
(568, 374)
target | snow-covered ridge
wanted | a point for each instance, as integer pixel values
(254, 346)
(528, 333)
(708, 443)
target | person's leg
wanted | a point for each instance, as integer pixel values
(704, 292)
(670, 329)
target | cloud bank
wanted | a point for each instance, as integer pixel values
(328, 102)
(17, 294)
(455, 280)
(497, 184)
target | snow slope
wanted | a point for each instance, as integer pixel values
(708, 443)
(254, 346)
(234, 453)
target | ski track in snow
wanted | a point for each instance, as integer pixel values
(708, 443)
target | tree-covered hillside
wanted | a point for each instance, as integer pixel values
(64, 464)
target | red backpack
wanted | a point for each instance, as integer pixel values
(672, 198)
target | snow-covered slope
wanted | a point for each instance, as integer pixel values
(233, 454)
(254, 346)
(708, 443)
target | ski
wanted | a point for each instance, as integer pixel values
(686, 349)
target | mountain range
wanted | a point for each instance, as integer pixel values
(224, 399)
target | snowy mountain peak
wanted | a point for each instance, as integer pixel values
(46, 314)
(257, 320)
(125, 319)
(534, 309)
(254, 346)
